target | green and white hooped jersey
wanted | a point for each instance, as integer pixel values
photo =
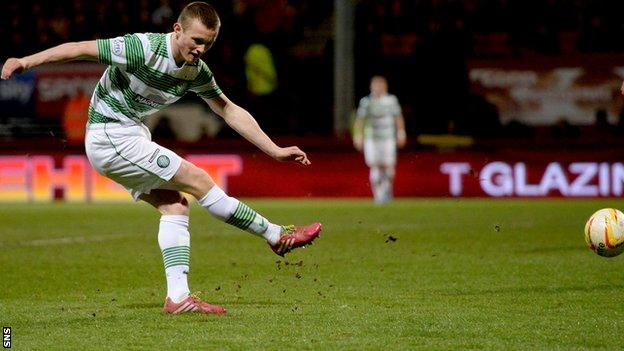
(380, 114)
(142, 78)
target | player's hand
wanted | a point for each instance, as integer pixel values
(291, 153)
(622, 89)
(358, 144)
(12, 65)
(401, 142)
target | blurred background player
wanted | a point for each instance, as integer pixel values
(146, 73)
(378, 130)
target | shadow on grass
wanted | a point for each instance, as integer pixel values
(555, 249)
(225, 302)
(257, 303)
(532, 290)
(147, 305)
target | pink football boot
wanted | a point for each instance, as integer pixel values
(191, 304)
(293, 237)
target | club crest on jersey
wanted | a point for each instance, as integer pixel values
(163, 161)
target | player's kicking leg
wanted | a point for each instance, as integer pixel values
(292, 237)
(175, 245)
(281, 239)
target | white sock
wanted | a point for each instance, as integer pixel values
(236, 213)
(174, 240)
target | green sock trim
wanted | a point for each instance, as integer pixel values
(176, 256)
(242, 217)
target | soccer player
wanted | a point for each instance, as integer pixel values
(147, 72)
(378, 130)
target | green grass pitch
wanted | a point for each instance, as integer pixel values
(459, 275)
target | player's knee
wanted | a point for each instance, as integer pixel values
(174, 204)
(176, 208)
(193, 179)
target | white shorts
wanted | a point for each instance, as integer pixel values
(379, 152)
(127, 155)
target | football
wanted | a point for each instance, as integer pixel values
(604, 232)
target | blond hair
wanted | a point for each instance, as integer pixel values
(202, 12)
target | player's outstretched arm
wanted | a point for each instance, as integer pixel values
(84, 50)
(401, 137)
(244, 124)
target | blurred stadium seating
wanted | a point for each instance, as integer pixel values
(426, 48)
(480, 75)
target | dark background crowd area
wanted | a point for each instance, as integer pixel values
(422, 46)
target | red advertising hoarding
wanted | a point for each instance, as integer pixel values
(40, 178)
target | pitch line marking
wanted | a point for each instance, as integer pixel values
(63, 241)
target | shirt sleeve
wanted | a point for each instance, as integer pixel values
(362, 110)
(125, 52)
(205, 85)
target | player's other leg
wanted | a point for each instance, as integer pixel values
(374, 152)
(175, 245)
(388, 165)
(282, 239)
(387, 183)
(375, 178)
(381, 158)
